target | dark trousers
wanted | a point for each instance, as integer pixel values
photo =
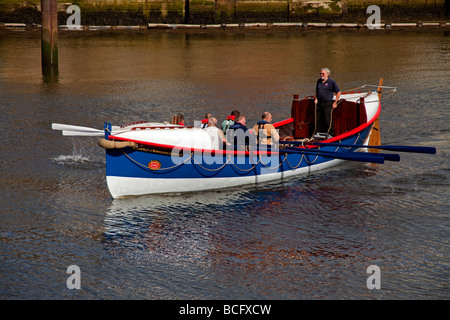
(323, 117)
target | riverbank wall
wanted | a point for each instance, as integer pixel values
(145, 12)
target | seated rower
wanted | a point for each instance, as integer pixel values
(205, 121)
(238, 134)
(216, 135)
(265, 131)
(229, 121)
(178, 119)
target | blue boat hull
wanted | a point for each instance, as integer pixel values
(146, 170)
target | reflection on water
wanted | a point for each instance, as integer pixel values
(308, 237)
(50, 76)
(176, 229)
(255, 237)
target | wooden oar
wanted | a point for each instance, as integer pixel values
(413, 149)
(386, 156)
(69, 127)
(72, 130)
(81, 133)
(351, 156)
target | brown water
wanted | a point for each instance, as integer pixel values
(311, 237)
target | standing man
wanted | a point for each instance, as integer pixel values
(325, 90)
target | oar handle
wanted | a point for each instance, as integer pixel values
(351, 156)
(413, 149)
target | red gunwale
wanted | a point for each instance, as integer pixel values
(159, 128)
(283, 122)
(195, 150)
(255, 153)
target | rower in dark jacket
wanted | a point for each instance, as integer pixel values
(240, 135)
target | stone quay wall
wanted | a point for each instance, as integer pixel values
(144, 12)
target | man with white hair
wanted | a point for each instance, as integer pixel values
(325, 90)
(216, 135)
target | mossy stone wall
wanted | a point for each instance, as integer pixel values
(141, 12)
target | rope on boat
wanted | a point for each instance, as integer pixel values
(301, 159)
(191, 157)
(147, 168)
(298, 165)
(212, 170)
(350, 147)
(244, 170)
(378, 86)
(393, 90)
(217, 169)
(113, 144)
(274, 168)
(331, 119)
(229, 159)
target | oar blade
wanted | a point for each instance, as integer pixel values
(413, 149)
(70, 127)
(351, 156)
(82, 134)
(387, 156)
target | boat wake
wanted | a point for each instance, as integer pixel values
(78, 161)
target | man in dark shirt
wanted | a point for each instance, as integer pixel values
(325, 90)
(238, 134)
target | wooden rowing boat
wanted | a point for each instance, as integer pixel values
(148, 158)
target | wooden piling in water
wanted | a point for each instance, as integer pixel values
(49, 33)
